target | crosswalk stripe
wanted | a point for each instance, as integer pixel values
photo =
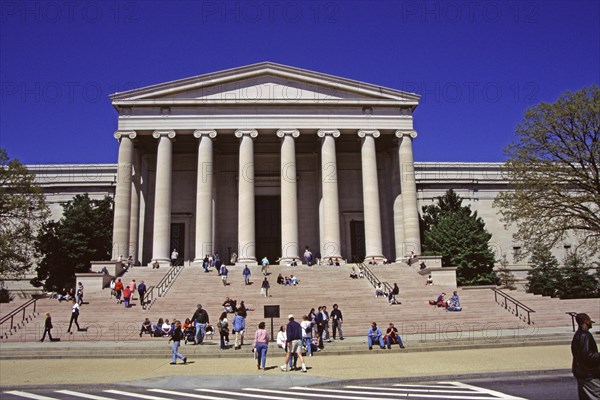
(259, 396)
(498, 395)
(29, 395)
(370, 394)
(136, 395)
(84, 395)
(186, 394)
(396, 391)
(431, 385)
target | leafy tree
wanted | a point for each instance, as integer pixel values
(577, 282)
(544, 277)
(553, 169)
(22, 211)
(66, 247)
(459, 235)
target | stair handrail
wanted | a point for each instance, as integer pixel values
(165, 283)
(573, 315)
(11, 315)
(516, 302)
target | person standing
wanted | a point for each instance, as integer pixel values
(142, 292)
(176, 338)
(261, 345)
(126, 296)
(80, 293)
(264, 288)
(74, 316)
(325, 324)
(306, 326)
(307, 257)
(200, 320)
(132, 288)
(118, 290)
(336, 321)
(586, 359)
(265, 266)
(239, 326)
(205, 263)
(294, 343)
(246, 272)
(47, 328)
(174, 257)
(223, 326)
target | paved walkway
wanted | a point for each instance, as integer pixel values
(217, 372)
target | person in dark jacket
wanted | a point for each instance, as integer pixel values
(47, 328)
(586, 359)
(293, 343)
(176, 338)
(142, 292)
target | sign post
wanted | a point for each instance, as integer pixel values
(272, 311)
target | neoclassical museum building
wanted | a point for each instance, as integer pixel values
(267, 160)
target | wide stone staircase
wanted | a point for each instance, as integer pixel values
(481, 317)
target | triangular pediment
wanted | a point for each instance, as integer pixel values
(264, 82)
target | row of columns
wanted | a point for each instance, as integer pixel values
(125, 232)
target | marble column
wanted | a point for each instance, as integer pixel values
(161, 239)
(204, 194)
(330, 246)
(134, 225)
(121, 221)
(408, 186)
(246, 217)
(289, 196)
(372, 215)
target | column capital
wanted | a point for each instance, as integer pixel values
(368, 132)
(169, 133)
(211, 133)
(253, 133)
(281, 133)
(408, 132)
(328, 132)
(119, 134)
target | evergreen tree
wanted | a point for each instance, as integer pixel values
(577, 282)
(66, 247)
(544, 277)
(506, 278)
(459, 235)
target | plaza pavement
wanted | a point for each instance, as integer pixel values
(128, 363)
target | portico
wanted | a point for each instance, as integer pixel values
(200, 153)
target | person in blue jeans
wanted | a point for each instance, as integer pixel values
(176, 338)
(261, 345)
(392, 337)
(375, 336)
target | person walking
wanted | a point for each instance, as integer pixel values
(142, 292)
(47, 328)
(239, 327)
(336, 321)
(118, 290)
(293, 343)
(264, 288)
(176, 338)
(74, 316)
(246, 272)
(261, 345)
(224, 273)
(586, 359)
(80, 293)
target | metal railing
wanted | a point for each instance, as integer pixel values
(372, 278)
(514, 303)
(165, 283)
(573, 315)
(24, 318)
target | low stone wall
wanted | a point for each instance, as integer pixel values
(93, 282)
(113, 268)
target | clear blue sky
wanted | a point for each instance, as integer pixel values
(477, 64)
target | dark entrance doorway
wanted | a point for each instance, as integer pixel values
(178, 240)
(357, 237)
(268, 227)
